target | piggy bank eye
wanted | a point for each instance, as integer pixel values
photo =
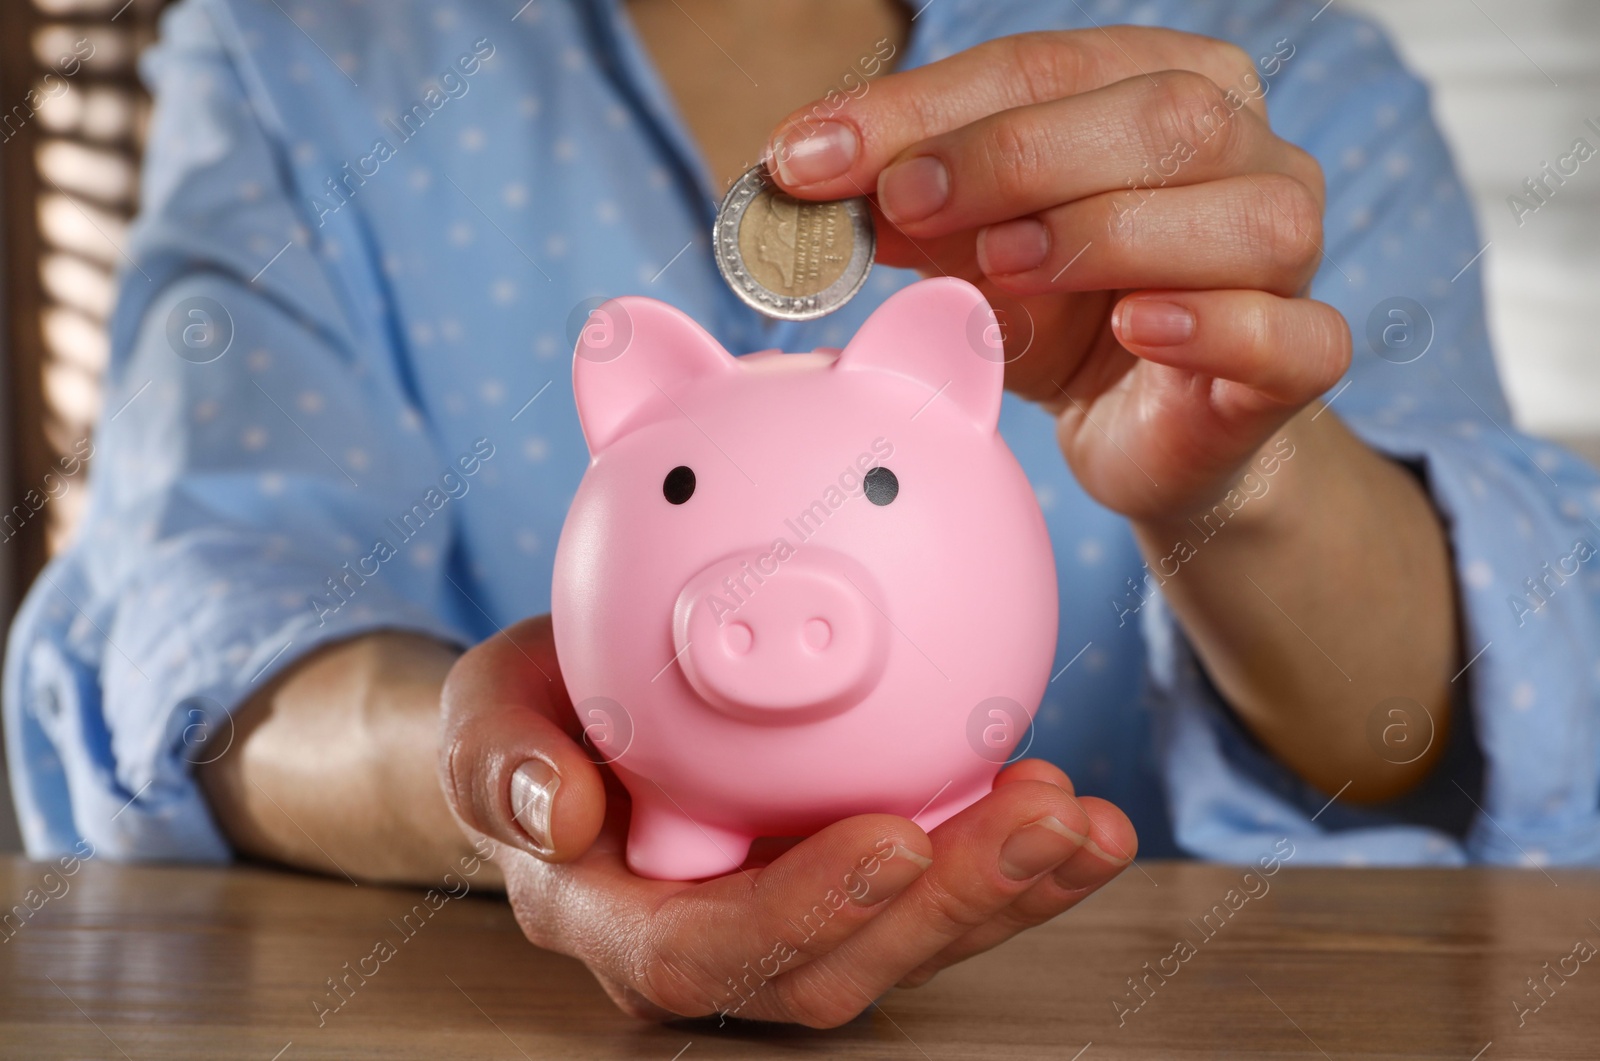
(881, 486)
(679, 485)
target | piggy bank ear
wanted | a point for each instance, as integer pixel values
(943, 334)
(630, 353)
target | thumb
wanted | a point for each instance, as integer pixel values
(508, 768)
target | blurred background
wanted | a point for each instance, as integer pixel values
(1514, 82)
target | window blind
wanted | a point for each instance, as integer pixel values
(72, 120)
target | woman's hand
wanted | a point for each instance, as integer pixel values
(1144, 236)
(811, 937)
(1148, 241)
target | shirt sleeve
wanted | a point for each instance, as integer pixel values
(262, 482)
(1403, 265)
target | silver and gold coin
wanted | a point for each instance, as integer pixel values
(790, 258)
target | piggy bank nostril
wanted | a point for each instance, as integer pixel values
(816, 633)
(881, 486)
(739, 638)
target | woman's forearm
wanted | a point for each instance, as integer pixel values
(1321, 587)
(333, 768)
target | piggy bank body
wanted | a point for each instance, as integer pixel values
(797, 587)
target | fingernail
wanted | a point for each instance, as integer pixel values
(1012, 247)
(913, 189)
(811, 154)
(1151, 322)
(892, 876)
(1036, 847)
(533, 795)
(1121, 858)
(1089, 869)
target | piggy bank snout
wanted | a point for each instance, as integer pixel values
(781, 637)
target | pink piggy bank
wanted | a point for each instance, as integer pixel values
(798, 587)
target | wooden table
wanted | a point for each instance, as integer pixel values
(177, 963)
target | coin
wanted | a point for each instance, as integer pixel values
(790, 258)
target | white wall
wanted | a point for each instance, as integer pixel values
(1494, 96)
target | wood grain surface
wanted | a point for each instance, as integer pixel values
(173, 963)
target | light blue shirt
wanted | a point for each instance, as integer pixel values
(396, 210)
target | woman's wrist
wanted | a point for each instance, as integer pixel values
(1285, 587)
(403, 676)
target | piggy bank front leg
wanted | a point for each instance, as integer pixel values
(665, 843)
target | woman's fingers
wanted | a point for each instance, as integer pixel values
(1279, 352)
(631, 1001)
(1036, 770)
(1219, 371)
(1110, 847)
(1173, 128)
(983, 858)
(698, 948)
(716, 946)
(508, 766)
(1262, 231)
(830, 151)
(802, 905)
